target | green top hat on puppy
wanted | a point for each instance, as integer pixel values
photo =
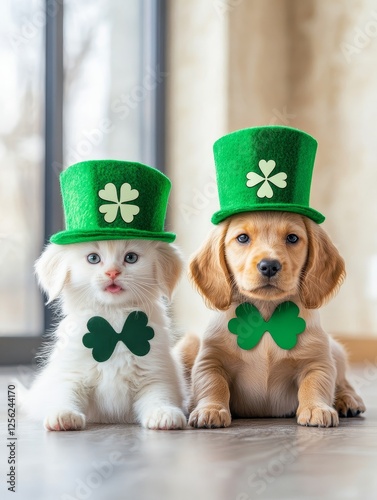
(265, 168)
(113, 200)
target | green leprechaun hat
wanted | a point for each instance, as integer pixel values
(265, 168)
(113, 200)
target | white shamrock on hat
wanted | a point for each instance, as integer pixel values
(127, 212)
(265, 191)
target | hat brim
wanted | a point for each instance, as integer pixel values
(69, 237)
(271, 207)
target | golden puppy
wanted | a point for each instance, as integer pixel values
(266, 258)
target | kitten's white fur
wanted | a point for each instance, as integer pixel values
(72, 388)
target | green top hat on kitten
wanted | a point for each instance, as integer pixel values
(265, 168)
(113, 200)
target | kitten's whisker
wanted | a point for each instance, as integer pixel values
(143, 300)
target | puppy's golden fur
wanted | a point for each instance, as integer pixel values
(267, 381)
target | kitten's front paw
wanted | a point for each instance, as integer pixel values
(210, 416)
(65, 421)
(317, 416)
(165, 418)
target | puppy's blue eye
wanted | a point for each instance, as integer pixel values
(292, 238)
(131, 258)
(243, 238)
(93, 258)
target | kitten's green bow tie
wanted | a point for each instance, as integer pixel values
(284, 325)
(102, 337)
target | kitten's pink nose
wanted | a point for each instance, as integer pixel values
(113, 273)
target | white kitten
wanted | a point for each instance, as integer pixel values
(110, 279)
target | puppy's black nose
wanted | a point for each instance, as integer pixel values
(269, 267)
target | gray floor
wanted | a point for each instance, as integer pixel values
(271, 458)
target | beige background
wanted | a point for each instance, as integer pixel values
(308, 64)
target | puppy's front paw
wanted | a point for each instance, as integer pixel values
(210, 416)
(65, 421)
(317, 416)
(349, 404)
(165, 418)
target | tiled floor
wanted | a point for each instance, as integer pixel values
(267, 459)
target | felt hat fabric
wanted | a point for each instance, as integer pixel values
(265, 168)
(113, 200)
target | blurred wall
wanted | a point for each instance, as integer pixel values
(310, 65)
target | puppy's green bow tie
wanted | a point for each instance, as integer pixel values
(284, 325)
(102, 337)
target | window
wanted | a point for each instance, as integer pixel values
(21, 165)
(108, 104)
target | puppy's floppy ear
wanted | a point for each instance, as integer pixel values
(52, 270)
(324, 270)
(168, 268)
(209, 273)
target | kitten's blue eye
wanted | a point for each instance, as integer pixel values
(292, 238)
(93, 258)
(243, 238)
(131, 258)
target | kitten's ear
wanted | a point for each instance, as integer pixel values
(52, 270)
(169, 268)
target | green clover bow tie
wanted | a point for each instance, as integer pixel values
(283, 326)
(102, 337)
